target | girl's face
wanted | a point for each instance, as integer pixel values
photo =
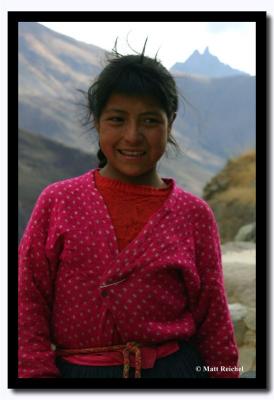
(133, 133)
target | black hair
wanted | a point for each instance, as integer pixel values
(133, 75)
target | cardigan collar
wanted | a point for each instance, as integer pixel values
(123, 263)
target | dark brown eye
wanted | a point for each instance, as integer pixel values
(151, 121)
(116, 119)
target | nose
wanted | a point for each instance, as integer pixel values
(133, 132)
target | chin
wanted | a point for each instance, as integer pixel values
(135, 173)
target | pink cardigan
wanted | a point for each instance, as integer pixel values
(76, 289)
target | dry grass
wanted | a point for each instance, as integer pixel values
(240, 194)
(241, 171)
(232, 194)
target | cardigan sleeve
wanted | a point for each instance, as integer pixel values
(36, 274)
(215, 337)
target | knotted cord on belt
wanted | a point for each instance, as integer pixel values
(129, 347)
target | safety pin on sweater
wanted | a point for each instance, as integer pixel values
(112, 284)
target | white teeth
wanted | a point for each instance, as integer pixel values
(131, 153)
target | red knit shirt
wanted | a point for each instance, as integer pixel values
(129, 206)
(78, 289)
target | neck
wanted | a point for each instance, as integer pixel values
(150, 179)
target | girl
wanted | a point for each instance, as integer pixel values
(120, 269)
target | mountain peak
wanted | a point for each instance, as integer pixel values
(206, 65)
(206, 51)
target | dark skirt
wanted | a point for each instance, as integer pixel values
(184, 363)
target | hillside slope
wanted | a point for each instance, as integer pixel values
(52, 68)
(41, 162)
(218, 116)
(232, 195)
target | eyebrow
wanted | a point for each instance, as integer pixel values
(125, 112)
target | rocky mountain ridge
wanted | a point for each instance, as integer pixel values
(205, 64)
(41, 162)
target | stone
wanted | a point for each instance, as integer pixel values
(237, 246)
(250, 318)
(247, 358)
(250, 338)
(240, 283)
(239, 267)
(249, 375)
(246, 233)
(239, 261)
(238, 313)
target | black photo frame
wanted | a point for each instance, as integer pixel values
(260, 18)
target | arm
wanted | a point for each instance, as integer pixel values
(215, 335)
(36, 275)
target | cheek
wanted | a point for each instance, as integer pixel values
(105, 138)
(159, 141)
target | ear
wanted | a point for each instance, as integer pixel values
(170, 122)
(97, 126)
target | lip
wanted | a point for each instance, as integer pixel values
(131, 154)
(133, 150)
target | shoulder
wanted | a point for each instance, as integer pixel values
(192, 204)
(198, 214)
(66, 188)
(54, 198)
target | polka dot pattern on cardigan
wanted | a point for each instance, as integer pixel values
(76, 289)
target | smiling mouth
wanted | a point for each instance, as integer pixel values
(132, 154)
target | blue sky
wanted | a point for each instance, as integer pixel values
(232, 42)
